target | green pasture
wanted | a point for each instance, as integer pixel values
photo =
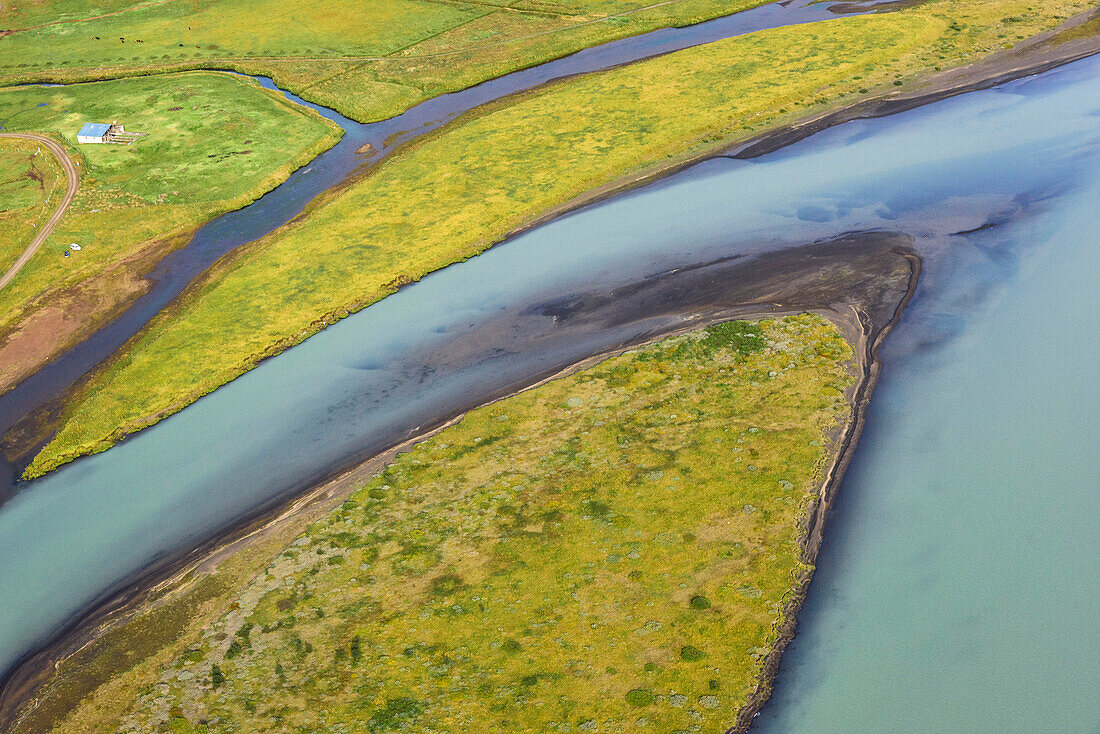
(25, 178)
(611, 551)
(180, 29)
(31, 185)
(36, 12)
(214, 142)
(463, 189)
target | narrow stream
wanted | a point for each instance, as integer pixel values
(957, 589)
(283, 203)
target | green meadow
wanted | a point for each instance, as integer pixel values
(31, 185)
(457, 192)
(369, 60)
(167, 31)
(214, 142)
(27, 14)
(611, 550)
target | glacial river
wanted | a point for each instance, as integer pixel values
(957, 589)
(958, 583)
(233, 229)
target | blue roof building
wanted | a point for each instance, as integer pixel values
(93, 132)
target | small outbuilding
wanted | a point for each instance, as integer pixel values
(94, 132)
(106, 132)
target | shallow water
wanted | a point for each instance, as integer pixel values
(931, 569)
(958, 587)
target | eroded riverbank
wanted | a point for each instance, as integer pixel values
(29, 412)
(957, 580)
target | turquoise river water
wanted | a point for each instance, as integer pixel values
(957, 588)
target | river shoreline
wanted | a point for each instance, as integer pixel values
(870, 366)
(28, 434)
(28, 419)
(1074, 51)
(854, 314)
(1036, 55)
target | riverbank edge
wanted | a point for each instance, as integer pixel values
(290, 515)
(1035, 55)
(25, 439)
(988, 72)
(137, 266)
(870, 365)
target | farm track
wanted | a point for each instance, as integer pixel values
(73, 184)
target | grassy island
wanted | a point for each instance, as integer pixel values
(613, 548)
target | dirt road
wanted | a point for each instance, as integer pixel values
(73, 177)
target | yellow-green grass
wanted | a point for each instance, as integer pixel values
(238, 28)
(31, 185)
(214, 142)
(458, 192)
(370, 61)
(618, 546)
(485, 48)
(24, 15)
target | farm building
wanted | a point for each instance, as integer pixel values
(106, 132)
(94, 132)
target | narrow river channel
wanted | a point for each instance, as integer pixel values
(957, 589)
(280, 205)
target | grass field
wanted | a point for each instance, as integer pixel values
(24, 15)
(370, 61)
(240, 28)
(609, 550)
(214, 143)
(31, 185)
(457, 192)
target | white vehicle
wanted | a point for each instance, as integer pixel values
(74, 246)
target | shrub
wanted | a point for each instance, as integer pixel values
(691, 654)
(446, 585)
(699, 602)
(356, 649)
(394, 715)
(217, 678)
